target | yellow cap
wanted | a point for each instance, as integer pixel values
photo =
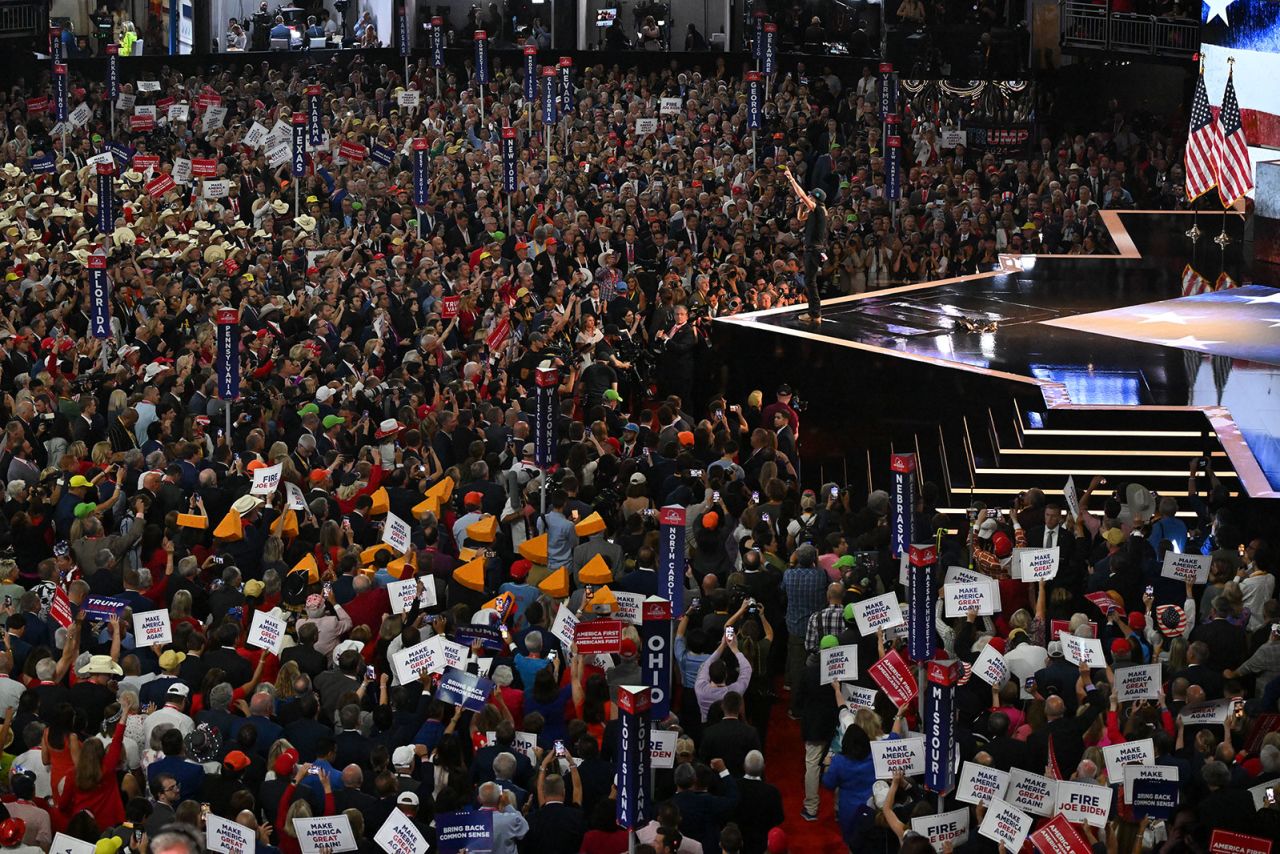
(593, 524)
(367, 556)
(603, 602)
(230, 528)
(309, 566)
(442, 490)
(556, 585)
(595, 572)
(425, 506)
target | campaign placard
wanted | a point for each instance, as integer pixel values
(181, 172)
(630, 608)
(408, 663)
(1056, 626)
(409, 98)
(859, 697)
(178, 113)
(564, 627)
(294, 498)
(103, 607)
(401, 594)
(893, 755)
(1079, 650)
(266, 480)
(1033, 793)
(399, 835)
(63, 844)
(332, 832)
(1084, 802)
(1059, 837)
(670, 106)
(1005, 823)
(1225, 842)
(837, 664)
(1186, 567)
(397, 533)
(1141, 752)
(216, 189)
(459, 688)
(1103, 602)
(266, 631)
(980, 784)
(1138, 683)
(878, 612)
(152, 627)
(597, 636)
(662, 748)
(1037, 564)
(1134, 773)
(523, 742)
(1211, 712)
(1154, 798)
(469, 829)
(228, 837)
(943, 827)
(990, 666)
(894, 677)
(644, 127)
(960, 599)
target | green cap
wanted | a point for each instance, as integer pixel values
(357, 206)
(848, 613)
(85, 509)
(309, 409)
(611, 394)
(828, 641)
(97, 137)
(845, 562)
(333, 420)
(499, 236)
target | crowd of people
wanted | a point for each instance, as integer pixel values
(388, 365)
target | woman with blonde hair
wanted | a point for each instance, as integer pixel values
(289, 809)
(285, 677)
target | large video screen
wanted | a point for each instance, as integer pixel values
(1247, 31)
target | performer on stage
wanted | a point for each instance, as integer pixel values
(813, 213)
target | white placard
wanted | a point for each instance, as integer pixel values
(644, 127)
(1078, 650)
(409, 98)
(332, 832)
(125, 101)
(979, 784)
(960, 599)
(228, 837)
(266, 479)
(453, 654)
(80, 116)
(179, 113)
(294, 498)
(148, 86)
(397, 533)
(266, 632)
(990, 666)
(1203, 714)
(212, 118)
(1137, 683)
(1146, 772)
(255, 136)
(523, 742)
(145, 111)
(630, 608)
(401, 593)
(859, 697)
(1037, 564)
(1084, 802)
(181, 173)
(278, 155)
(63, 844)
(1188, 567)
(943, 828)
(891, 755)
(1073, 497)
(878, 612)
(671, 106)
(1141, 752)
(563, 627)
(215, 188)
(281, 133)
(662, 748)
(399, 835)
(838, 664)
(952, 137)
(152, 627)
(410, 662)
(104, 157)
(960, 575)
(1033, 793)
(1005, 823)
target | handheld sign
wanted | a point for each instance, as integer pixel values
(991, 666)
(266, 480)
(662, 748)
(1079, 650)
(228, 837)
(893, 755)
(1059, 837)
(942, 828)
(459, 688)
(331, 832)
(1037, 564)
(596, 636)
(894, 677)
(397, 533)
(1135, 773)
(152, 627)
(401, 594)
(399, 835)
(1225, 842)
(63, 844)
(1138, 683)
(837, 664)
(1212, 712)
(960, 599)
(267, 632)
(472, 830)
(1031, 792)
(1005, 823)
(1186, 567)
(1084, 802)
(1154, 798)
(878, 612)
(979, 784)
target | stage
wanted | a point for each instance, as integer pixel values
(1165, 336)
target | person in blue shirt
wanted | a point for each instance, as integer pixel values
(1169, 526)
(562, 539)
(852, 772)
(279, 30)
(314, 30)
(190, 775)
(525, 594)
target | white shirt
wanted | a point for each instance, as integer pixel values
(167, 715)
(31, 761)
(11, 690)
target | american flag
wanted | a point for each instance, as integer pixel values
(1235, 172)
(1193, 283)
(1203, 142)
(1224, 282)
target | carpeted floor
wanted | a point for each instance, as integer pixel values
(784, 767)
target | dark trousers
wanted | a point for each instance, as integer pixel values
(812, 263)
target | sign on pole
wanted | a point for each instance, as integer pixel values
(546, 408)
(633, 755)
(655, 665)
(903, 502)
(671, 557)
(921, 602)
(941, 678)
(99, 296)
(228, 358)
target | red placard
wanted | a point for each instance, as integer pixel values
(60, 608)
(1056, 626)
(530, 50)
(944, 672)
(230, 265)
(671, 516)
(1225, 842)
(1060, 837)
(923, 555)
(633, 701)
(893, 675)
(449, 307)
(655, 608)
(140, 123)
(204, 167)
(107, 168)
(35, 106)
(1104, 602)
(146, 161)
(159, 185)
(566, 62)
(353, 151)
(594, 636)
(164, 103)
(498, 337)
(206, 100)
(886, 68)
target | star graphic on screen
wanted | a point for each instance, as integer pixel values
(1218, 9)
(1274, 321)
(1169, 317)
(1269, 298)
(1188, 342)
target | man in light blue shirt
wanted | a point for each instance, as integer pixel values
(562, 539)
(509, 826)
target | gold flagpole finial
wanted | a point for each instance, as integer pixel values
(1231, 61)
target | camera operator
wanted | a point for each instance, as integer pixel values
(261, 37)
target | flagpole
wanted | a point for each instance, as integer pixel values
(1223, 238)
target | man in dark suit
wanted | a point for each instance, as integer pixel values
(702, 814)
(1200, 669)
(310, 660)
(644, 578)
(461, 234)
(1053, 533)
(547, 266)
(676, 354)
(352, 794)
(504, 741)
(305, 732)
(1065, 734)
(759, 807)
(354, 747)
(731, 738)
(237, 670)
(1226, 644)
(632, 251)
(1006, 752)
(556, 827)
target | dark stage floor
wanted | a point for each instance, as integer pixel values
(1161, 324)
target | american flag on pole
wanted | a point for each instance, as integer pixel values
(1193, 283)
(1203, 141)
(1224, 282)
(1235, 172)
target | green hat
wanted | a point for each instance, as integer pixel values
(357, 206)
(333, 420)
(499, 236)
(611, 394)
(309, 409)
(845, 562)
(828, 641)
(848, 613)
(85, 509)
(97, 137)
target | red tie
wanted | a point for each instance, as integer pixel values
(631, 254)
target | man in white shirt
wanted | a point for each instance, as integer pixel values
(172, 713)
